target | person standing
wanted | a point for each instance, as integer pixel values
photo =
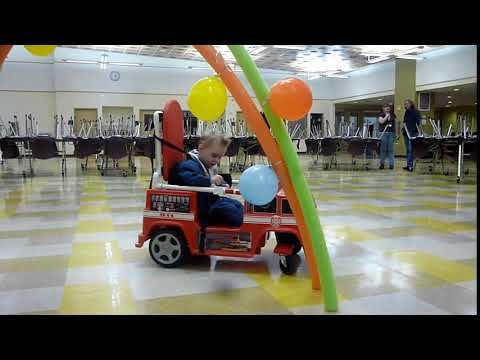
(411, 119)
(387, 126)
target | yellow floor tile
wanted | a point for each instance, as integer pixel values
(447, 270)
(92, 198)
(290, 291)
(400, 231)
(348, 233)
(95, 253)
(94, 188)
(98, 299)
(95, 209)
(442, 226)
(93, 226)
(235, 301)
(444, 205)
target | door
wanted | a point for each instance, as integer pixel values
(84, 117)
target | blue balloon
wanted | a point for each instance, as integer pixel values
(258, 184)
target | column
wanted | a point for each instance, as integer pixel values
(405, 88)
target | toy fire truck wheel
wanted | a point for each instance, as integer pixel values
(289, 264)
(289, 238)
(168, 248)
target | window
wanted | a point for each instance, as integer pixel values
(286, 209)
(170, 203)
(340, 126)
(297, 129)
(316, 125)
(270, 208)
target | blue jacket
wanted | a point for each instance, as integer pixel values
(211, 207)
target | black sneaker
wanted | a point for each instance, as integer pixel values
(405, 168)
(391, 167)
(381, 167)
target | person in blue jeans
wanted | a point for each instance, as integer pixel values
(411, 119)
(387, 126)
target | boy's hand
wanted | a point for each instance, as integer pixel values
(217, 180)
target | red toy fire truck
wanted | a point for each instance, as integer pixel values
(171, 220)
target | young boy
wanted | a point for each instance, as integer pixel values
(201, 169)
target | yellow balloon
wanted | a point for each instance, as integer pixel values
(40, 50)
(207, 99)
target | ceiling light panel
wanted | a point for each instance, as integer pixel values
(292, 58)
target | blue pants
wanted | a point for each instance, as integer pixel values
(408, 145)
(387, 148)
(225, 211)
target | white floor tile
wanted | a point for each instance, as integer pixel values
(30, 300)
(471, 285)
(150, 283)
(35, 251)
(390, 304)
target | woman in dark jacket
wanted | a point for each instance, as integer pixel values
(411, 119)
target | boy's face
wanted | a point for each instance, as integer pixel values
(211, 154)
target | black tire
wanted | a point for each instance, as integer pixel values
(289, 238)
(289, 264)
(178, 255)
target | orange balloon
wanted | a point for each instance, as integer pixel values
(290, 99)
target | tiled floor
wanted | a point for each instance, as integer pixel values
(400, 243)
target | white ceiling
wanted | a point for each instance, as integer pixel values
(466, 95)
(310, 59)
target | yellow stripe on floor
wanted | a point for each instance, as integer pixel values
(442, 226)
(447, 270)
(444, 205)
(95, 209)
(94, 226)
(94, 198)
(290, 291)
(325, 197)
(95, 254)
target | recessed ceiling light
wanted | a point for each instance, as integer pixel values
(379, 99)
(378, 59)
(356, 102)
(449, 96)
(456, 89)
(449, 102)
